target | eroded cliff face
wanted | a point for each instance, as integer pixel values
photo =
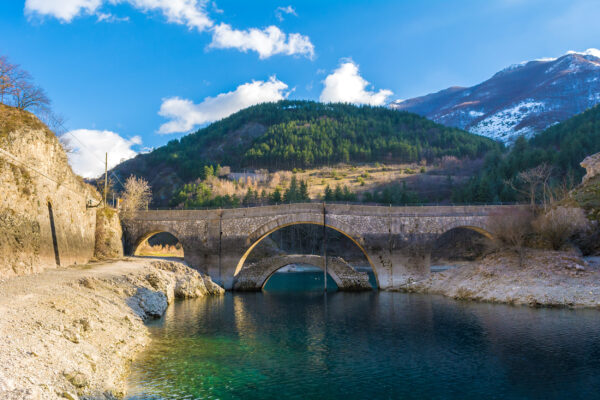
(108, 235)
(43, 217)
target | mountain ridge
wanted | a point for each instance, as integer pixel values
(522, 99)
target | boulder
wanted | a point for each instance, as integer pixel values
(591, 165)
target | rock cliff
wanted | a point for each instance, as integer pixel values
(44, 221)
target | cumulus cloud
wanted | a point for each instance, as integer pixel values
(184, 12)
(191, 13)
(266, 42)
(185, 115)
(64, 10)
(345, 85)
(284, 10)
(88, 161)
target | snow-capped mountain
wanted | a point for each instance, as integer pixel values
(522, 99)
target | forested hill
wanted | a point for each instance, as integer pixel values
(301, 134)
(562, 147)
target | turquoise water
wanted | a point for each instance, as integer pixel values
(370, 345)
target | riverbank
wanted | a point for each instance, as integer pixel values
(545, 278)
(72, 333)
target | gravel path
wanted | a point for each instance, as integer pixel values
(72, 333)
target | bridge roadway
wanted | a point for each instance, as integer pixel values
(395, 240)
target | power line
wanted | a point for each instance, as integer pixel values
(93, 154)
(24, 164)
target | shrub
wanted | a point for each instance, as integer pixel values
(557, 226)
(511, 228)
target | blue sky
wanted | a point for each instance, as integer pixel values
(110, 66)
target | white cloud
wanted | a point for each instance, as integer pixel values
(345, 85)
(266, 42)
(88, 161)
(185, 115)
(191, 13)
(64, 10)
(284, 10)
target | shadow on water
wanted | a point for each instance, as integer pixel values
(300, 345)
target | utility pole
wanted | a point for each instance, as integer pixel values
(105, 177)
(324, 248)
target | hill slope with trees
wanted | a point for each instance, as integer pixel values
(302, 134)
(553, 156)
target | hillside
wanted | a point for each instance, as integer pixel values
(523, 99)
(561, 146)
(301, 134)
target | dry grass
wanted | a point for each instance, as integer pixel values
(158, 250)
(426, 180)
(12, 119)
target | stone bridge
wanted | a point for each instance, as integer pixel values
(253, 277)
(396, 241)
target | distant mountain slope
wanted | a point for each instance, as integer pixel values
(301, 134)
(522, 99)
(562, 146)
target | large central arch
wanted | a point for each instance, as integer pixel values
(257, 236)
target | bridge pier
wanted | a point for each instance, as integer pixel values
(399, 266)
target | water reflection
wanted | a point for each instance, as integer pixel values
(374, 344)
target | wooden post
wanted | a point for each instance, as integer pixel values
(105, 177)
(324, 248)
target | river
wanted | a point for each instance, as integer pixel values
(285, 343)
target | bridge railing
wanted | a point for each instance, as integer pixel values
(356, 203)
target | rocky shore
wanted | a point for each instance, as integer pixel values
(543, 279)
(72, 333)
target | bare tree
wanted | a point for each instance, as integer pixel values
(26, 95)
(511, 228)
(136, 197)
(17, 88)
(530, 182)
(560, 224)
(6, 80)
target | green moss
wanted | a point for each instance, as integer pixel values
(587, 197)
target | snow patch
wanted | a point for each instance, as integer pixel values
(589, 52)
(475, 114)
(501, 125)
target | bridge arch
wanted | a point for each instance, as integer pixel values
(256, 276)
(261, 233)
(148, 233)
(477, 225)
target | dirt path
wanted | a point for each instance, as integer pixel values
(72, 333)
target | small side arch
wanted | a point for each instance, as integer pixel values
(255, 277)
(478, 225)
(149, 233)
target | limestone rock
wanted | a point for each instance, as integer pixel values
(592, 166)
(148, 303)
